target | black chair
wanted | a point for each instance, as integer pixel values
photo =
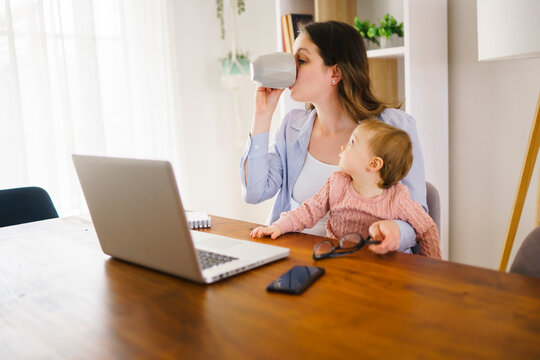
(527, 260)
(22, 205)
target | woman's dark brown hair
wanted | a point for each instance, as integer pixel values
(341, 44)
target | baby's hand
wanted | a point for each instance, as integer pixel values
(274, 231)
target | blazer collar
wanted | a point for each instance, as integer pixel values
(305, 125)
(304, 129)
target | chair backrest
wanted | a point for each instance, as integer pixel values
(434, 209)
(527, 260)
(434, 204)
(22, 205)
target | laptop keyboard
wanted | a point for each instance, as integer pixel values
(208, 259)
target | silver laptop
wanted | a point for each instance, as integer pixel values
(138, 216)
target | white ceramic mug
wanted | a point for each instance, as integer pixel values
(276, 70)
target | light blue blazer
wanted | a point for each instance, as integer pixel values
(275, 169)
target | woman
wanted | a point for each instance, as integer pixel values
(333, 77)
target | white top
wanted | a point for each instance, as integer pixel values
(312, 177)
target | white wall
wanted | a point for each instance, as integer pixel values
(491, 112)
(211, 176)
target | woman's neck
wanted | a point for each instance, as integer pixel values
(367, 187)
(332, 117)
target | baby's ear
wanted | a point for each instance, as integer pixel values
(375, 164)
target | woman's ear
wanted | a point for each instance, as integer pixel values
(335, 75)
(375, 164)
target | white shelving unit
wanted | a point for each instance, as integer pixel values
(393, 52)
(422, 76)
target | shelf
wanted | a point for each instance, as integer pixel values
(393, 52)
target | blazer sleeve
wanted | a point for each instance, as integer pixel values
(308, 214)
(265, 165)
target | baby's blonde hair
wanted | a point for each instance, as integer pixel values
(393, 146)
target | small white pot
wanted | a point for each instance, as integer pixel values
(392, 41)
(369, 45)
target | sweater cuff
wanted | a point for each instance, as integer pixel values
(285, 224)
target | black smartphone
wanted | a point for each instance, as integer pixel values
(296, 280)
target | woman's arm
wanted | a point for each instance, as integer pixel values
(265, 105)
(265, 170)
(261, 169)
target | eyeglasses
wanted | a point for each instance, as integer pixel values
(347, 244)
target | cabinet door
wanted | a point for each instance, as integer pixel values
(384, 80)
(341, 10)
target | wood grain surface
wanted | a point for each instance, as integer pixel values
(61, 297)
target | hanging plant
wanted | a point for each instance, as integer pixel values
(238, 66)
(240, 6)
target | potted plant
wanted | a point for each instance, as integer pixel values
(239, 65)
(390, 32)
(235, 66)
(368, 31)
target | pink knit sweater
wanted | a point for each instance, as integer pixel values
(349, 212)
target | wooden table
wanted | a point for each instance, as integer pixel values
(61, 297)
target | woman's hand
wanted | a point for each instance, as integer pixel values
(266, 100)
(274, 231)
(386, 231)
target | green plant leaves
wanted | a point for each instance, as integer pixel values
(367, 30)
(219, 13)
(371, 32)
(240, 8)
(389, 26)
(239, 55)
